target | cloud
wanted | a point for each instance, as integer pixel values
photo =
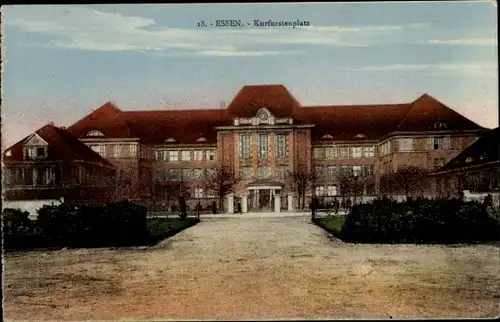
(83, 28)
(471, 68)
(465, 42)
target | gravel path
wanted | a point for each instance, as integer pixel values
(254, 267)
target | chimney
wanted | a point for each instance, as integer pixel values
(222, 105)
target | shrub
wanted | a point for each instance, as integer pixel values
(18, 230)
(419, 221)
(114, 224)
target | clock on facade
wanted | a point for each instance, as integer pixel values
(263, 115)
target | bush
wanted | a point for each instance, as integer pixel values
(420, 221)
(18, 229)
(114, 224)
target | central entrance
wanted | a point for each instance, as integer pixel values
(262, 195)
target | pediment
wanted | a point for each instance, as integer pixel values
(35, 140)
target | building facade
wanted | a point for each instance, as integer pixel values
(51, 164)
(265, 136)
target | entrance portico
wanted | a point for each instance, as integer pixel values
(263, 196)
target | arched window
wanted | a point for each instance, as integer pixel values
(95, 133)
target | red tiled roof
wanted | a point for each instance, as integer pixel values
(184, 126)
(62, 146)
(426, 110)
(276, 98)
(341, 122)
(105, 119)
(345, 122)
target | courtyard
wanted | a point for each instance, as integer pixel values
(243, 267)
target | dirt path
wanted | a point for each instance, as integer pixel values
(241, 268)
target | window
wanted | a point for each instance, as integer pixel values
(369, 151)
(281, 146)
(99, 148)
(331, 171)
(438, 163)
(368, 170)
(282, 171)
(186, 156)
(319, 172)
(187, 174)
(133, 150)
(331, 190)
(345, 170)
(318, 153)
(50, 176)
(211, 173)
(198, 174)
(198, 192)
(405, 144)
(331, 153)
(159, 155)
(247, 172)
(343, 152)
(173, 155)
(356, 152)
(385, 148)
(118, 151)
(263, 172)
(439, 125)
(245, 146)
(198, 155)
(319, 191)
(469, 160)
(263, 146)
(356, 170)
(439, 143)
(95, 133)
(210, 155)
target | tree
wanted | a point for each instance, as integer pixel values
(388, 183)
(409, 179)
(221, 182)
(300, 181)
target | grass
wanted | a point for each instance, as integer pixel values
(161, 228)
(333, 224)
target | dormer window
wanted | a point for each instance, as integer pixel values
(469, 160)
(170, 140)
(263, 116)
(95, 133)
(35, 153)
(360, 135)
(439, 125)
(327, 137)
(201, 139)
(483, 156)
(8, 153)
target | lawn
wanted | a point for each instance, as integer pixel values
(161, 228)
(331, 224)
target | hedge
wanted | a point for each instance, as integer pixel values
(68, 225)
(420, 221)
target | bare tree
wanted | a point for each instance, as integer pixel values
(388, 183)
(409, 179)
(300, 181)
(221, 182)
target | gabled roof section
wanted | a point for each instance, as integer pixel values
(105, 119)
(483, 150)
(251, 98)
(346, 122)
(184, 126)
(426, 111)
(62, 146)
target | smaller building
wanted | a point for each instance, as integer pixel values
(53, 165)
(474, 172)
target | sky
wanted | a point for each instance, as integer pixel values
(61, 62)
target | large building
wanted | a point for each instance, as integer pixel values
(263, 136)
